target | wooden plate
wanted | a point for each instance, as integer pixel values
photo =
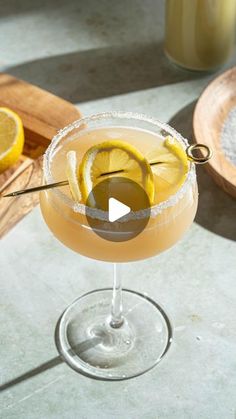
(43, 114)
(211, 111)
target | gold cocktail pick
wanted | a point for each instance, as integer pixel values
(189, 151)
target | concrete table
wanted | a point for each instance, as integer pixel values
(108, 55)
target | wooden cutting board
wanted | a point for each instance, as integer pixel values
(42, 114)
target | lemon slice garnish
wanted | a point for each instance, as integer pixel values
(119, 159)
(11, 138)
(171, 169)
(72, 175)
(113, 158)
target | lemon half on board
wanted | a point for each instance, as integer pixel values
(113, 159)
(11, 138)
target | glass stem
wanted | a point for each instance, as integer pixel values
(116, 305)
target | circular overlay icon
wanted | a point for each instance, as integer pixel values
(121, 209)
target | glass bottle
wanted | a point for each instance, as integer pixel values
(200, 34)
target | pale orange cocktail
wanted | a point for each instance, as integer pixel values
(170, 218)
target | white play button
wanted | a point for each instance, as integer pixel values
(117, 209)
(119, 198)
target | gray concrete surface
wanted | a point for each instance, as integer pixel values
(108, 55)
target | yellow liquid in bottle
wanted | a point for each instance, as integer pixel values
(200, 34)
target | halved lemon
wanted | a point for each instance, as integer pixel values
(11, 138)
(170, 167)
(113, 158)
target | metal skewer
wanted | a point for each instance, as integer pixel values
(189, 150)
(37, 189)
(58, 184)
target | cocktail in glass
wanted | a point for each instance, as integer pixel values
(109, 333)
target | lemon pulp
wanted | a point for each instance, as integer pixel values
(170, 167)
(11, 138)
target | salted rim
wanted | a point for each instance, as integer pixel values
(103, 215)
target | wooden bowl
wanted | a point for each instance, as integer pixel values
(211, 111)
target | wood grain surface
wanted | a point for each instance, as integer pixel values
(211, 111)
(42, 114)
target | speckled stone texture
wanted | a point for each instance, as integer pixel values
(108, 55)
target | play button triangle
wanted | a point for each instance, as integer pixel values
(117, 210)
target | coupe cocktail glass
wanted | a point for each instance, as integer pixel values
(109, 333)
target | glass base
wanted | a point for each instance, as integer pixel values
(90, 345)
(194, 70)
